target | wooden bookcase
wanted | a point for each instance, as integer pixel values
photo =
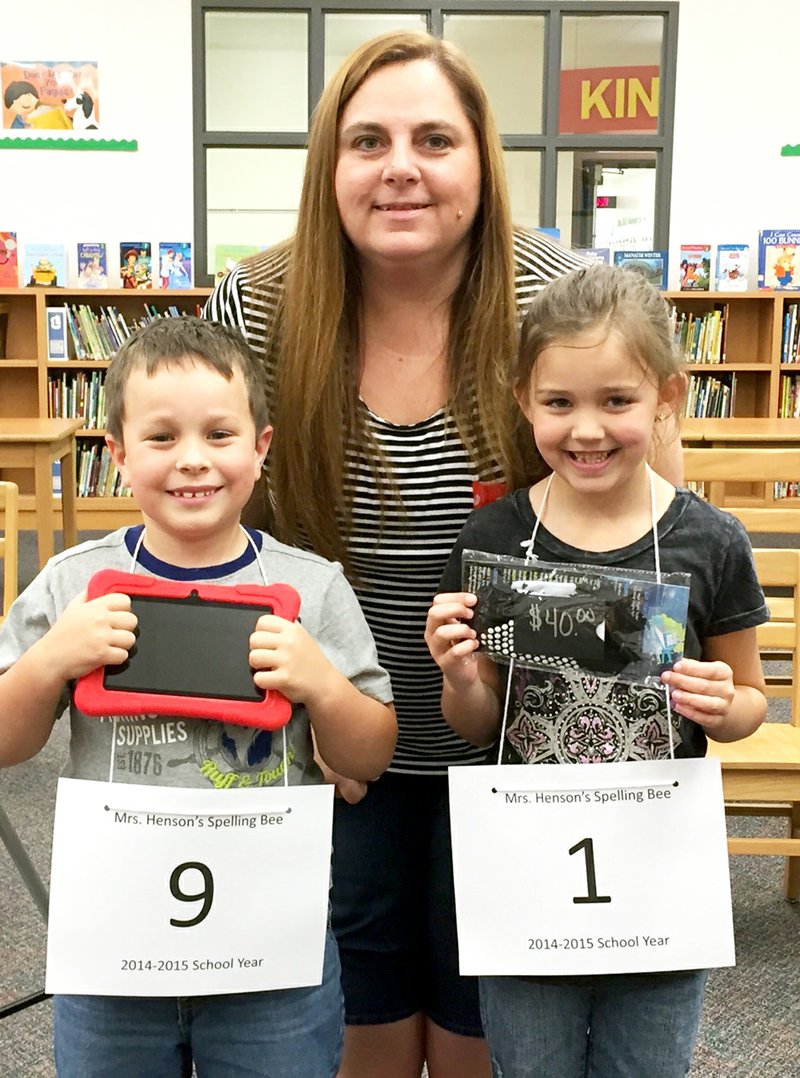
(753, 335)
(25, 369)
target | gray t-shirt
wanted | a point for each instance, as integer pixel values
(164, 750)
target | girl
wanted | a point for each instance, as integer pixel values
(596, 376)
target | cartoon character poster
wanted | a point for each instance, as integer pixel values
(50, 95)
(175, 265)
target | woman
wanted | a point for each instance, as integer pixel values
(386, 326)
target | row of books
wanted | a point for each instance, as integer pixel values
(785, 490)
(80, 395)
(790, 335)
(78, 331)
(97, 476)
(789, 397)
(778, 263)
(47, 264)
(700, 338)
(709, 398)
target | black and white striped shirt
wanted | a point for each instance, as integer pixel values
(399, 559)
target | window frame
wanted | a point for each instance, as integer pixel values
(549, 143)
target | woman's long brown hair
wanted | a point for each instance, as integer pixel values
(315, 410)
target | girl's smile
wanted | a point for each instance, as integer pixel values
(593, 408)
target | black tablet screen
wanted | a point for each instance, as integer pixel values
(189, 647)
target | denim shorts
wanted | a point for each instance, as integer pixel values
(292, 1033)
(610, 1026)
(394, 907)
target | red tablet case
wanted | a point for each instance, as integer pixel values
(93, 697)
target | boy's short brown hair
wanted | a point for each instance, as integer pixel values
(171, 342)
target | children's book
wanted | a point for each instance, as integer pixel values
(228, 255)
(9, 270)
(779, 259)
(175, 265)
(92, 265)
(596, 254)
(652, 265)
(136, 264)
(45, 265)
(732, 267)
(57, 333)
(695, 267)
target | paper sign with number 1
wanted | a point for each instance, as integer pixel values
(591, 868)
(170, 892)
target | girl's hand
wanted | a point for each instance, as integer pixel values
(451, 642)
(701, 691)
(88, 634)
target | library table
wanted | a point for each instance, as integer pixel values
(763, 432)
(34, 444)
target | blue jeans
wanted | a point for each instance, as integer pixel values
(292, 1033)
(612, 1026)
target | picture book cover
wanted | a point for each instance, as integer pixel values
(175, 265)
(652, 265)
(732, 267)
(92, 265)
(779, 259)
(57, 333)
(45, 265)
(228, 255)
(596, 254)
(136, 264)
(695, 267)
(9, 270)
(57, 95)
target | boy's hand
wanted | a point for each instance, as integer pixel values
(284, 657)
(701, 691)
(99, 632)
(451, 642)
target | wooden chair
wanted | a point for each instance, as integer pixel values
(9, 544)
(761, 773)
(715, 467)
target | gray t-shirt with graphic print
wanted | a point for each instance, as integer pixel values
(164, 750)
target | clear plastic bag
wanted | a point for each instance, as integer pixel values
(621, 623)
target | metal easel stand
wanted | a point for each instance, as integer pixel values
(38, 891)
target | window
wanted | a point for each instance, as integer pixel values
(583, 94)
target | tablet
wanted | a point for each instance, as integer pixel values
(191, 652)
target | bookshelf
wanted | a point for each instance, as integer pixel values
(758, 332)
(28, 378)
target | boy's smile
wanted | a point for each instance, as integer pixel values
(191, 457)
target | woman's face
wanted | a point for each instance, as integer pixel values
(408, 170)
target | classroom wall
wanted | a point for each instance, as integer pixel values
(143, 51)
(734, 110)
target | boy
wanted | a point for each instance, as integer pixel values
(188, 431)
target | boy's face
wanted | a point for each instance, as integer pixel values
(191, 456)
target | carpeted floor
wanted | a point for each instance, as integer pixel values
(751, 1020)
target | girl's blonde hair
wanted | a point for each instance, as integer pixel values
(601, 296)
(316, 408)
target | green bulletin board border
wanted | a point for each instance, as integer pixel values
(68, 144)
